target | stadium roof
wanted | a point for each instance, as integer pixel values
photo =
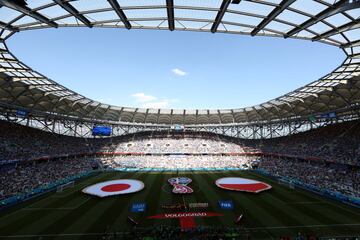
(331, 22)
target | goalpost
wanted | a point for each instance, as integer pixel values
(65, 186)
(286, 183)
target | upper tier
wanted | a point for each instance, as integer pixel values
(331, 22)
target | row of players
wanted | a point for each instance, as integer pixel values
(339, 143)
(334, 177)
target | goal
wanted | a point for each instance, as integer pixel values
(65, 186)
(289, 184)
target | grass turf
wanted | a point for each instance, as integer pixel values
(267, 215)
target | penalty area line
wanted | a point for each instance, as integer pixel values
(69, 208)
(295, 203)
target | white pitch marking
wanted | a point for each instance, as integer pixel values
(72, 208)
(290, 203)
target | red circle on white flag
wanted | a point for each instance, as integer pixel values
(114, 187)
(242, 184)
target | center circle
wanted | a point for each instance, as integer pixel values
(115, 187)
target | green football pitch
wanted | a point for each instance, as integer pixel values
(280, 211)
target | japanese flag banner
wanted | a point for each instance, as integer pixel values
(114, 187)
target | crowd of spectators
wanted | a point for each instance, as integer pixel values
(19, 142)
(25, 177)
(172, 162)
(328, 176)
(181, 145)
(338, 143)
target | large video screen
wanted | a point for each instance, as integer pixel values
(101, 131)
(21, 113)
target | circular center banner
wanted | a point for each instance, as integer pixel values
(114, 187)
(180, 185)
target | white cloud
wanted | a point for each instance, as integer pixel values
(179, 72)
(159, 104)
(143, 98)
(148, 101)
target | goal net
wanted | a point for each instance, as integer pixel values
(286, 183)
(65, 186)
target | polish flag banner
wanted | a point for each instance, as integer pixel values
(114, 187)
(242, 184)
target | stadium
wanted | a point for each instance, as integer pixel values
(75, 168)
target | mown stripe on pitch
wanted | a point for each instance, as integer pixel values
(121, 218)
(45, 202)
(57, 223)
(282, 192)
(316, 215)
(30, 220)
(329, 214)
(209, 195)
(120, 222)
(198, 196)
(97, 220)
(242, 198)
(322, 215)
(221, 195)
(292, 195)
(168, 197)
(277, 215)
(344, 211)
(285, 197)
(60, 224)
(163, 197)
(115, 208)
(301, 212)
(253, 215)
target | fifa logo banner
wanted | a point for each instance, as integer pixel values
(138, 207)
(180, 185)
(226, 204)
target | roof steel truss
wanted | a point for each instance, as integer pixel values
(22, 86)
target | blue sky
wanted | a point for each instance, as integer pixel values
(147, 68)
